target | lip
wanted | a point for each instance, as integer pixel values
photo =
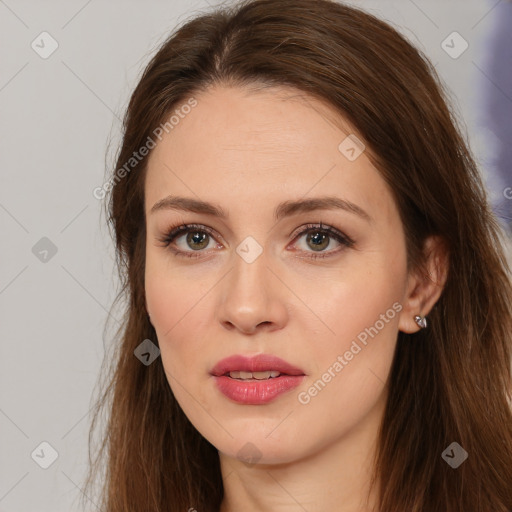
(254, 392)
(258, 363)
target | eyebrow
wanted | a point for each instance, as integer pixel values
(284, 209)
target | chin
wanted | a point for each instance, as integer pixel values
(260, 454)
(257, 447)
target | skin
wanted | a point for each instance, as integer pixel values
(247, 151)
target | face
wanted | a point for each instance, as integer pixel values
(326, 299)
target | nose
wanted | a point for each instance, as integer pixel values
(252, 298)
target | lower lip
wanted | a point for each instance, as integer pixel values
(257, 392)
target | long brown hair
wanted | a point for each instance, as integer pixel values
(449, 383)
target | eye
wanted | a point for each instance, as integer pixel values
(319, 237)
(199, 237)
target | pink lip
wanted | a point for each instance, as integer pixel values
(254, 392)
(259, 363)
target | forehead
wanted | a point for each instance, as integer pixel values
(240, 146)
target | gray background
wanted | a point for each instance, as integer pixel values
(57, 118)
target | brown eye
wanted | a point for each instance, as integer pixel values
(197, 238)
(318, 238)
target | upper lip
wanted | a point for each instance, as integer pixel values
(258, 363)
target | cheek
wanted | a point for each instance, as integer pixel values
(355, 356)
(179, 308)
(173, 308)
(345, 305)
(170, 294)
(356, 310)
(350, 368)
(355, 341)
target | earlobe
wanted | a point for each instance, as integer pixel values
(425, 286)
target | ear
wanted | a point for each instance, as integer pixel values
(424, 289)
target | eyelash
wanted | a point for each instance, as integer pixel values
(174, 231)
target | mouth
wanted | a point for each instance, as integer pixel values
(260, 367)
(255, 380)
(253, 376)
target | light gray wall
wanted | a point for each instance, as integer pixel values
(57, 115)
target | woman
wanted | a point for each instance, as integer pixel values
(318, 307)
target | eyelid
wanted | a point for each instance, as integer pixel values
(331, 230)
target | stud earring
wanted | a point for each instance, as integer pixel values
(421, 321)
